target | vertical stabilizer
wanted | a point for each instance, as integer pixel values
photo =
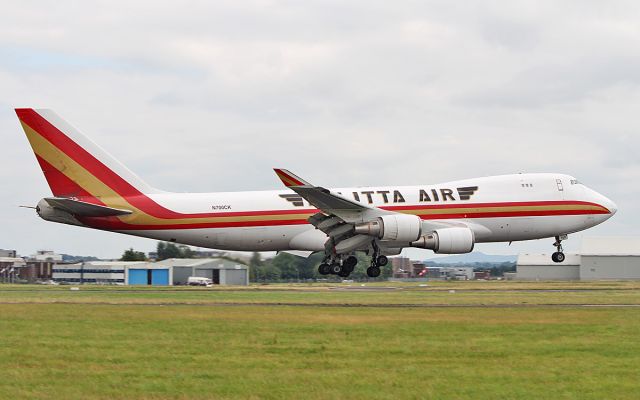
(73, 165)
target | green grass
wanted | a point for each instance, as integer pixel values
(464, 293)
(124, 350)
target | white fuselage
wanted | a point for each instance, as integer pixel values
(501, 208)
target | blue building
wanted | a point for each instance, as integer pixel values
(163, 273)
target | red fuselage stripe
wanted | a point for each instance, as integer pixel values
(115, 224)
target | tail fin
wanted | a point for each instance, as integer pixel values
(73, 165)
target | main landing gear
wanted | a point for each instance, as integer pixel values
(342, 268)
(558, 256)
(378, 260)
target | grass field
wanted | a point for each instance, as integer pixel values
(533, 341)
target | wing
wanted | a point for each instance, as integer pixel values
(330, 203)
(338, 215)
(84, 209)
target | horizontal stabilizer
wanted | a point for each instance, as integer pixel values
(84, 209)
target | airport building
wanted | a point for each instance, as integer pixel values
(10, 267)
(99, 272)
(219, 270)
(601, 258)
(404, 269)
(36, 270)
(46, 255)
(162, 273)
(7, 253)
(540, 267)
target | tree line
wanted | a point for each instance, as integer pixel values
(287, 267)
(164, 250)
(283, 267)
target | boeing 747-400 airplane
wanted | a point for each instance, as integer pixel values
(92, 189)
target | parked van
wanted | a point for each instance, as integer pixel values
(199, 281)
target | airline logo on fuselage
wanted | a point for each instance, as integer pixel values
(396, 196)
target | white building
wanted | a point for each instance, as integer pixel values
(610, 258)
(458, 273)
(9, 268)
(219, 270)
(99, 272)
(46, 255)
(163, 273)
(540, 267)
(8, 253)
(600, 258)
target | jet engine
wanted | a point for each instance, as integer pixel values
(447, 241)
(395, 227)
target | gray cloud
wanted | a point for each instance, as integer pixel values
(202, 96)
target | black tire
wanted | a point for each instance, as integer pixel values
(323, 269)
(344, 273)
(373, 272)
(558, 257)
(335, 269)
(350, 263)
(382, 260)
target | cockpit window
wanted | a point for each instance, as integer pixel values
(575, 182)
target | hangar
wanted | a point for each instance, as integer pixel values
(163, 273)
(610, 258)
(539, 267)
(219, 270)
(600, 258)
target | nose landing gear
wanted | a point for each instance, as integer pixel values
(558, 256)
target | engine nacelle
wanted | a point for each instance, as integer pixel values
(447, 241)
(395, 227)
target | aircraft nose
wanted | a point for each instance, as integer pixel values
(609, 204)
(613, 208)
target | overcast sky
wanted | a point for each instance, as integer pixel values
(209, 96)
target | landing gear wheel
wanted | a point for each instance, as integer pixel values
(350, 262)
(335, 269)
(323, 269)
(382, 261)
(344, 273)
(348, 270)
(373, 272)
(558, 256)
